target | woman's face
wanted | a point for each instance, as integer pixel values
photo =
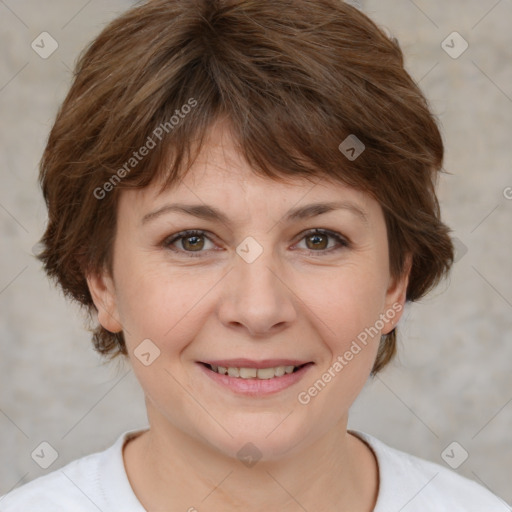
(257, 285)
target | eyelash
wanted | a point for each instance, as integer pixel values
(343, 242)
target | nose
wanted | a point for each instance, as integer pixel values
(257, 297)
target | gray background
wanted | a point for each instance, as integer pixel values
(452, 380)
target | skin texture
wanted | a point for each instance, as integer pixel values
(301, 298)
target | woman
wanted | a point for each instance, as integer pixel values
(242, 194)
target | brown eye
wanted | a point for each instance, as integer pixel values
(192, 243)
(189, 243)
(317, 241)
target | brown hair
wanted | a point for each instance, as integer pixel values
(294, 78)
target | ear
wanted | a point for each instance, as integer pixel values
(395, 298)
(104, 297)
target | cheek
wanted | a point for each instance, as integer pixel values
(345, 301)
(346, 307)
(160, 303)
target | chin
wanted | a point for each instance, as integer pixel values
(269, 440)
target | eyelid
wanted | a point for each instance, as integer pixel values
(168, 241)
(342, 240)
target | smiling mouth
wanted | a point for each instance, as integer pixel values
(254, 373)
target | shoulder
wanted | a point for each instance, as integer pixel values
(58, 490)
(421, 485)
(91, 483)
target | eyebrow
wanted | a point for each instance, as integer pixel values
(211, 213)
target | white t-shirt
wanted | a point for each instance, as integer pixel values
(98, 482)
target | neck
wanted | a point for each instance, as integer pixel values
(167, 466)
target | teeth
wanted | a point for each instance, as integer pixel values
(248, 373)
(254, 373)
(266, 373)
(233, 372)
(280, 371)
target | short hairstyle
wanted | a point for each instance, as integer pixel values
(294, 79)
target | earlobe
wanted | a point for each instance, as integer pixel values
(396, 297)
(104, 297)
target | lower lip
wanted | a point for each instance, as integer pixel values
(256, 387)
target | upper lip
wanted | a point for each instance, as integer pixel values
(251, 363)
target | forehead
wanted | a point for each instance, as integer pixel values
(221, 176)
